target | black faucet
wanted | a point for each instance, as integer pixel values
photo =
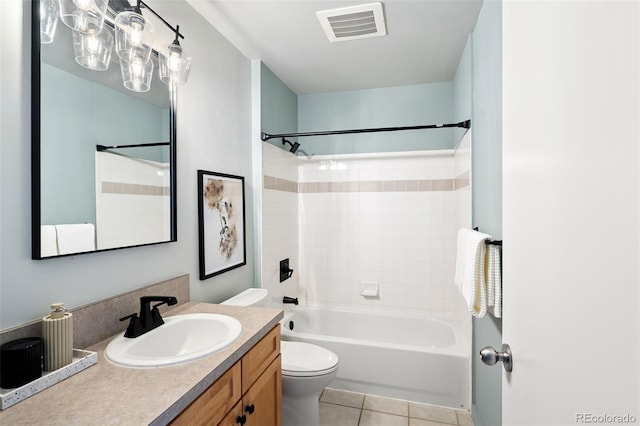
(149, 315)
(287, 299)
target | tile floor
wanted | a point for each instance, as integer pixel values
(343, 408)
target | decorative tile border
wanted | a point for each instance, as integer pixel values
(463, 180)
(280, 184)
(414, 185)
(133, 189)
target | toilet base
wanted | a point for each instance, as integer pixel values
(301, 411)
(301, 399)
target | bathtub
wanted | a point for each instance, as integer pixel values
(414, 359)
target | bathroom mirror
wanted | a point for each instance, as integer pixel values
(88, 195)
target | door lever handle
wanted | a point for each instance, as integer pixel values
(490, 356)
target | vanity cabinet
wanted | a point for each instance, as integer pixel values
(249, 393)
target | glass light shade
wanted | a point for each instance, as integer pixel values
(134, 36)
(175, 65)
(136, 74)
(93, 51)
(49, 14)
(85, 16)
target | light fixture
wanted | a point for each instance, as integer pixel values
(49, 14)
(93, 51)
(134, 35)
(93, 44)
(136, 74)
(175, 64)
(85, 16)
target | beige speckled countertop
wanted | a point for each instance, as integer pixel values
(106, 394)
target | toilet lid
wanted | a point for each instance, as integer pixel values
(304, 359)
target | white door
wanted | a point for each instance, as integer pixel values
(571, 193)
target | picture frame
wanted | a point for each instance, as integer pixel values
(221, 223)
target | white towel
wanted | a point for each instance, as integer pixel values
(76, 238)
(470, 270)
(494, 281)
(48, 241)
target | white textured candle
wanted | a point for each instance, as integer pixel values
(57, 336)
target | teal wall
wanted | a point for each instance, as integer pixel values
(487, 193)
(70, 133)
(279, 106)
(462, 84)
(385, 107)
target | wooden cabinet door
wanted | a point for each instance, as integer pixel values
(234, 416)
(262, 404)
(259, 357)
(215, 402)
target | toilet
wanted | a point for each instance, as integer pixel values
(306, 370)
(249, 297)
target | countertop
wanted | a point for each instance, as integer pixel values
(107, 394)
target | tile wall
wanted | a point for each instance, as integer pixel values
(462, 185)
(347, 219)
(279, 221)
(387, 219)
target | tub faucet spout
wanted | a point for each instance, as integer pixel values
(287, 299)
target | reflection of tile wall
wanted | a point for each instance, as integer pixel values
(130, 194)
(133, 188)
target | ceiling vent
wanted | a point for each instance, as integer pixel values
(354, 22)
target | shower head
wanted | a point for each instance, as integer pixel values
(294, 145)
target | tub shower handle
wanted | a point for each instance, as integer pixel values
(490, 356)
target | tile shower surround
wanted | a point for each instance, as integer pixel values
(340, 236)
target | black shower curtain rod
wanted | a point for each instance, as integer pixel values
(104, 148)
(464, 124)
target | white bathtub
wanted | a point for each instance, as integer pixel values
(415, 359)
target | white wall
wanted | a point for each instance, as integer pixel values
(571, 185)
(214, 133)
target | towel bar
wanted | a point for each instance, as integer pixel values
(490, 242)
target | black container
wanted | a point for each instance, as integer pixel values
(20, 362)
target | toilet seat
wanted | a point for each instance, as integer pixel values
(301, 359)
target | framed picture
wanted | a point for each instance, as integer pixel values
(221, 223)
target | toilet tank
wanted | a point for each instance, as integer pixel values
(249, 297)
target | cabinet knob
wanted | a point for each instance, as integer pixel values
(250, 409)
(241, 419)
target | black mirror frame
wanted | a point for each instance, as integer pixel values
(36, 252)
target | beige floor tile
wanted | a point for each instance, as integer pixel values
(433, 413)
(420, 422)
(386, 405)
(374, 418)
(342, 397)
(464, 418)
(338, 415)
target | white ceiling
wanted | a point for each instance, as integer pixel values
(424, 43)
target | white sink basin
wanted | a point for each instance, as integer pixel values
(181, 339)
